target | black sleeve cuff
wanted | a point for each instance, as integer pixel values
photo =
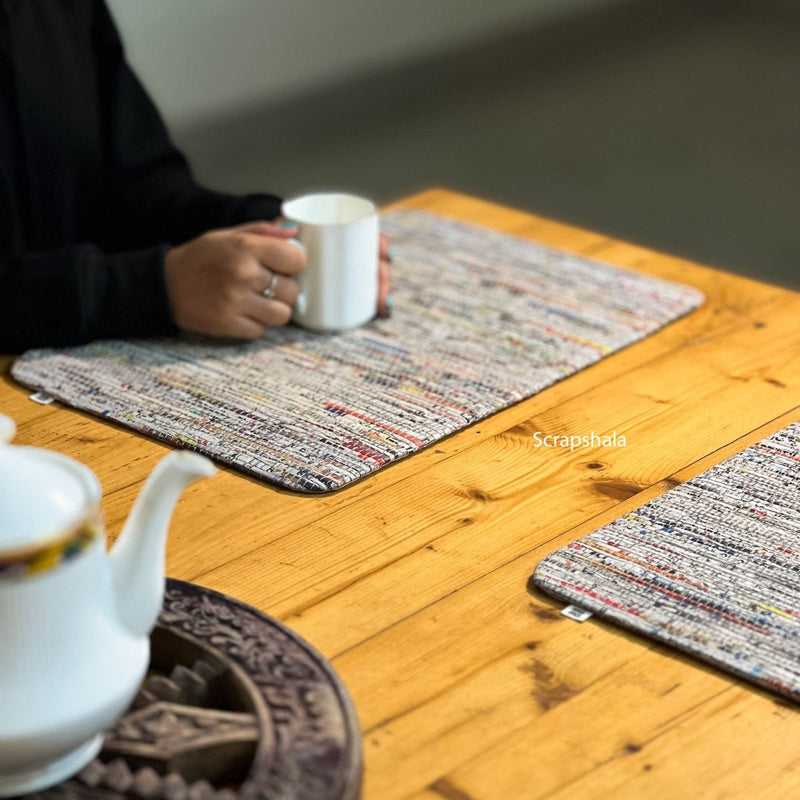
(78, 294)
(126, 296)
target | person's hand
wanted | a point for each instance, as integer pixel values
(234, 282)
(384, 278)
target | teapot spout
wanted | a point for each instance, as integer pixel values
(138, 557)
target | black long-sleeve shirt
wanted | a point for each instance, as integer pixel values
(92, 191)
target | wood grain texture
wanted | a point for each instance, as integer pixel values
(414, 580)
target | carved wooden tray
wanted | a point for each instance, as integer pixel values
(235, 706)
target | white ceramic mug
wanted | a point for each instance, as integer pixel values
(339, 286)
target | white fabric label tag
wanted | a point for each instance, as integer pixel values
(577, 613)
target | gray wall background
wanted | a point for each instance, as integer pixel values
(205, 58)
(671, 123)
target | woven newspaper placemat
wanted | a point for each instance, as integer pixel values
(711, 567)
(482, 320)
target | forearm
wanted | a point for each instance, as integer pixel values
(79, 294)
(162, 203)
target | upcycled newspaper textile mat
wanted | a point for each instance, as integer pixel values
(711, 567)
(481, 321)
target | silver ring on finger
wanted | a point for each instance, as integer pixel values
(270, 291)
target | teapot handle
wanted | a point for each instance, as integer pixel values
(7, 429)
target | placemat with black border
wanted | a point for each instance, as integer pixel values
(481, 320)
(711, 567)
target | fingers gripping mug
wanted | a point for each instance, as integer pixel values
(339, 286)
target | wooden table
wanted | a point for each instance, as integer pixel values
(413, 581)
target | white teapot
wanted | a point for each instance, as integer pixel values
(74, 621)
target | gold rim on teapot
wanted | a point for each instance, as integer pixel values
(46, 555)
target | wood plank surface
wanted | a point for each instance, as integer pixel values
(413, 581)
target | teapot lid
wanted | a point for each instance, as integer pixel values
(42, 494)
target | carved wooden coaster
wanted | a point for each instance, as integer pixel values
(234, 706)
